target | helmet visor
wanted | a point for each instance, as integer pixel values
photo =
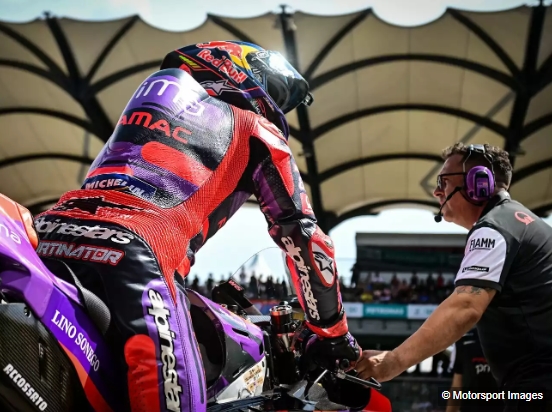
(282, 82)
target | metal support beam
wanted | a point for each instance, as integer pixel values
(305, 132)
(371, 111)
(344, 167)
(77, 84)
(528, 80)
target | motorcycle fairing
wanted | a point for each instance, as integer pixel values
(57, 305)
(233, 346)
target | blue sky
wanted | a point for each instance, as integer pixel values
(246, 234)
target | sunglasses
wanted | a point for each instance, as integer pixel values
(440, 178)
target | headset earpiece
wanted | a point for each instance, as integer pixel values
(479, 180)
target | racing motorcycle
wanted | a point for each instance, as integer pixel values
(53, 355)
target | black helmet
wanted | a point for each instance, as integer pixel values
(245, 75)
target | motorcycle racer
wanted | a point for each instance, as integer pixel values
(195, 141)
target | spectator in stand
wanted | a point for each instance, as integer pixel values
(269, 287)
(285, 290)
(440, 281)
(430, 282)
(371, 289)
(253, 288)
(210, 284)
(386, 295)
(377, 281)
(395, 282)
(355, 275)
(195, 284)
(242, 277)
(414, 280)
(404, 291)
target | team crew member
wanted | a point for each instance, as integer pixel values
(471, 372)
(504, 284)
(195, 141)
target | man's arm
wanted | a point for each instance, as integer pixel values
(480, 276)
(310, 252)
(448, 323)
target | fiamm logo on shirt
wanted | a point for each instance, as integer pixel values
(482, 244)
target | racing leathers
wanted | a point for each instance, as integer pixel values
(178, 165)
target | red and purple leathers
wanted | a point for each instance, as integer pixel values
(178, 165)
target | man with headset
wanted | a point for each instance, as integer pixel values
(504, 284)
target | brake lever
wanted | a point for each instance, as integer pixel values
(372, 383)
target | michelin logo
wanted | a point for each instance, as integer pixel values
(122, 182)
(25, 387)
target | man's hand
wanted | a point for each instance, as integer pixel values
(448, 323)
(382, 366)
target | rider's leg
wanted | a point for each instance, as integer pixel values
(151, 328)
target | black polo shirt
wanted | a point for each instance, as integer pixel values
(510, 249)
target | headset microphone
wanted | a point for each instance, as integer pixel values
(439, 216)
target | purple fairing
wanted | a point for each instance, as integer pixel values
(170, 328)
(226, 320)
(55, 303)
(35, 283)
(217, 387)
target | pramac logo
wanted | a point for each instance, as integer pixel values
(144, 119)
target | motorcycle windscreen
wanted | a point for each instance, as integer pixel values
(266, 264)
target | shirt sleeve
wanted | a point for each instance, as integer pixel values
(484, 260)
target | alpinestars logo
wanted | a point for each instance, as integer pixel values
(218, 87)
(43, 225)
(91, 205)
(295, 253)
(161, 316)
(325, 264)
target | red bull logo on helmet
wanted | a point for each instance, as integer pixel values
(232, 48)
(224, 65)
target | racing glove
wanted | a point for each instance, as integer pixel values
(333, 353)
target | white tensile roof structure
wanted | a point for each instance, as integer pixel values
(388, 99)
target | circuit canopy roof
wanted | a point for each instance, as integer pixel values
(388, 99)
